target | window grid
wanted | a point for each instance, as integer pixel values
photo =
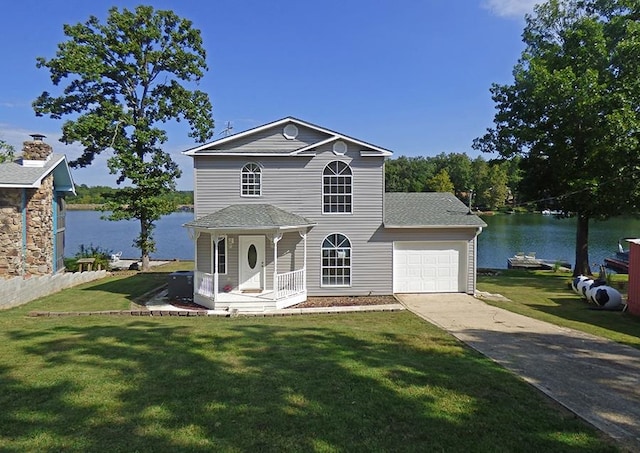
(251, 180)
(336, 188)
(336, 260)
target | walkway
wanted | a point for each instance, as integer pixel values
(597, 379)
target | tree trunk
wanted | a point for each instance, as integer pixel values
(582, 246)
(144, 233)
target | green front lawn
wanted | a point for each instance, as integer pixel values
(545, 295)
(325, 383)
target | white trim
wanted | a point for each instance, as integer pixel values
(315, 145)
(260, 167)
(290, 131)
(344, 148)
(350, 194)
(211, 145)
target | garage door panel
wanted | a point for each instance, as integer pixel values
(428, 266)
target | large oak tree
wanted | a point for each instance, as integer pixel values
(573, 111)
(119, 82)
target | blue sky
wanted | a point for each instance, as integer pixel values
(412, 76)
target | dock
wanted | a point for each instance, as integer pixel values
(532, 263)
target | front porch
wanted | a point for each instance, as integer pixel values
(256, 264)
(291, 290)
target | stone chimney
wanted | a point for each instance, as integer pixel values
(35, 152)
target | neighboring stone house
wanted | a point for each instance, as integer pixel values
(32, 211)
(291, 209)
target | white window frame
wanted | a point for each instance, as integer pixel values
(337, 249)
(251, 169)
(327, 193)
(223, 242)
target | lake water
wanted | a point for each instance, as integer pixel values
(505, 235)
(86, 228)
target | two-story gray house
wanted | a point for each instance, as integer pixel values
(291, 209)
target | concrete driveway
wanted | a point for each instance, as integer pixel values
(597, 379)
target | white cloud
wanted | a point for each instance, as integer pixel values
(510, 8)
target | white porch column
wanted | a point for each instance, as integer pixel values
(214, 263)
(275, 238)
(303, 235)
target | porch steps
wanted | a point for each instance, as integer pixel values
(254, 306)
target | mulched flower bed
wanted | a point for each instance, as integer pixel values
(346, 301)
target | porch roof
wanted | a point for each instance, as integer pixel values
(250, 217)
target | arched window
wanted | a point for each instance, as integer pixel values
(336, 260)
(336, 188)
(251, 180)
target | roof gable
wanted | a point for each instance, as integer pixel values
(15, 175)
(427, 210)
(273, 139)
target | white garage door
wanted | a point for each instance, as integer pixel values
(429, 267)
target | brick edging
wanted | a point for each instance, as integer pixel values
(224, 314)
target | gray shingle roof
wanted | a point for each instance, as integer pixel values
(14, 174)
(427, 209)
(249, 216)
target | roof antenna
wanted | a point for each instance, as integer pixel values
(227, 129)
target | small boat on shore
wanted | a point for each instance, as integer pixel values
(529, 261)
(619, 263)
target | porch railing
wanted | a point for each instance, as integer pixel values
(203, 284)
(290, 283)
(287, 284)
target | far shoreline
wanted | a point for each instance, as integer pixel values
(96, 207)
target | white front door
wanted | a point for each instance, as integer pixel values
(251, 261)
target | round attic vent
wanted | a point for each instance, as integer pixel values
(339, 148)
(290, 131)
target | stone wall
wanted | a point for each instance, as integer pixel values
(39, 259)
(10, 233)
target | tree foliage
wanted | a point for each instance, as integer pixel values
(99, 195)
(7, 152)
(573, 111)
(120, 81)
(491, 182)
(441, 182)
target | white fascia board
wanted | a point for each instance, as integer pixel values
(34, 185)
(246, 154)
(314, 145)
(367, 153)
(373, 150)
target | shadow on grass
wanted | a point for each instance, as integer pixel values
(380, 382)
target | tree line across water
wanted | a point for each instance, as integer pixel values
(491, 184)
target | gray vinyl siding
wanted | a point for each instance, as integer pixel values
(273, 139)
(295, 184)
